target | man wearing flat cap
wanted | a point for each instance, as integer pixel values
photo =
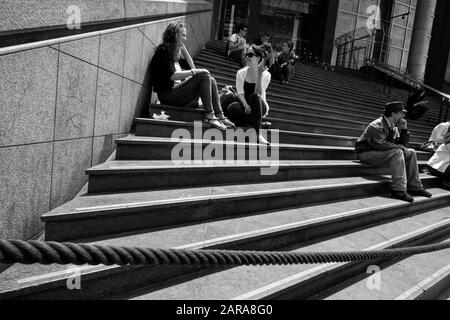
(384, 143)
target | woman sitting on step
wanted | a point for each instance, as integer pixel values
(251, 84)
(439, 164)
(178, 87)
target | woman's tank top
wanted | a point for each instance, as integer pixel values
(249, 89)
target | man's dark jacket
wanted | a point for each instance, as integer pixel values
(380, 137)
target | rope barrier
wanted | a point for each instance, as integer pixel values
(31, 252)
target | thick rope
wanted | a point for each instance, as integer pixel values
(31, 252)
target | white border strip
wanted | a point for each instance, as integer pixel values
(425, 285)
(298, 278)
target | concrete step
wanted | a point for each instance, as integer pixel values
(308, 74)
(104, 214)
(302, 83)
(281, 103)
(158, 128)
(311, 71)
(424, 129)
(330, 102)
(445, 295)
(115, 176)
(301, 282)
(423, 277)
(302, 105)
(310, 81)
(302, 91)
(176, 149)
(152, 148)
(291, 125)
(314, 125)
(103, 282)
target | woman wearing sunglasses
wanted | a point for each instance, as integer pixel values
(251, 84)
(179, 87)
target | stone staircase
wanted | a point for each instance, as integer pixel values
(321, 199)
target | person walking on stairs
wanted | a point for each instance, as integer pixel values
(383, 144)
(178, 87)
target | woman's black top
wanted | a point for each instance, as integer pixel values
(249, 89)
(162, 68)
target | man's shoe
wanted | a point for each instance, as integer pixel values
(400, 195)
(421, 193)
(446, 184)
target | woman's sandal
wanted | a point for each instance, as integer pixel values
(215, 123)
(227, 123)
(262, 140)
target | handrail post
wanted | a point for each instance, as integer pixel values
(446, 113)
(440, 111)
(392, 82)
(409, 91)
(373, 70)
(385, 82)
(367, 68)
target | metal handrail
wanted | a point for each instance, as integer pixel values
(392, 71)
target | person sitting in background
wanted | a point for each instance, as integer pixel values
(439, 164)
(286, 60)
(178, 87)
(416, 106)
(263, 38)
(251, 84)
(264, 44)
(382, 144)
(269, 54)
(237, 45)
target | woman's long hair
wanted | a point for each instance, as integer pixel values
(170, 39)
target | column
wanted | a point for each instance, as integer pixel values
(421, 36)
(254, 13)
(295, 31)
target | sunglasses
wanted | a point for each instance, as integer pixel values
(250, 55)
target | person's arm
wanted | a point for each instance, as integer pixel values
(266, 78)
(188, 57)
(403, 133)
(446, 138)
(259, 82)
(265, 107)
(181, 75)
(291, 58)
(240, 78)
(233, 43)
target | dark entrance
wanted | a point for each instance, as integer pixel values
(302, 21)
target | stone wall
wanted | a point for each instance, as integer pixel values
(63, 105)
